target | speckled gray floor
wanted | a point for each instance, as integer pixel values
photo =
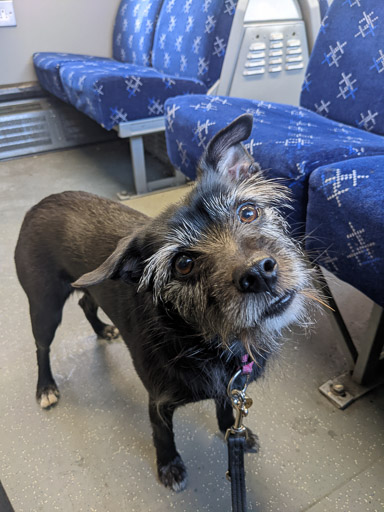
(93, 452)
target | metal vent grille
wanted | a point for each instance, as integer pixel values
(36, 125)
(19, 107)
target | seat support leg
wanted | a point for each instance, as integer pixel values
(138, 164)
(366, 367)
(141, 183)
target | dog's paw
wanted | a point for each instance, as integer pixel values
(109, 332)
(252, 442)
(48, 396)
(174, 474)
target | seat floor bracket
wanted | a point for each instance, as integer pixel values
(343, 390)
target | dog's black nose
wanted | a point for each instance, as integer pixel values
(260, 277)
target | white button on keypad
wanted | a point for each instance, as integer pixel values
(276, 53)
(254, 64)
(293, 51)
(289, 67)
(255, 55)
(276, 45)
(276, 36)
(275, 69)
(257, 46)
(293, 42)
(294, 58)
(276, 60)
(257, 71)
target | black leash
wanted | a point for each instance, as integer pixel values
(236, 473)
(236, 437)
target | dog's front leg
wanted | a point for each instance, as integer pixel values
(170, 467)
(224, 414)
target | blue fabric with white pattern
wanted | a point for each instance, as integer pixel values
(349, 58)
(288, 142)
(324, 4)
(127, 87)
(345, 222)
(112, 92)
(134, 31)
(47, 68)
(198, 49)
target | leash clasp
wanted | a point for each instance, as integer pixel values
(236, 435)
(241, 403)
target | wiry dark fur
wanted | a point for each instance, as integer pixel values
(186, 333)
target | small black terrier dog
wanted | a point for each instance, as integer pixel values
(191, 292)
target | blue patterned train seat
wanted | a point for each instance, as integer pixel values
(350, 242)
(345, 77)
(161, 48)
(113, 92)
(324, 150)
(47, 68)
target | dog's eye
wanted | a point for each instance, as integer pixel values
(247, 213)
(183, 264)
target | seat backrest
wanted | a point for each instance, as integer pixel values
(324, 4)
(134, 31)
(191, 38)
(345, 74)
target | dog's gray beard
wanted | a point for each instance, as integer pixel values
(218, 315)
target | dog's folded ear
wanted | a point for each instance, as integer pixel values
(226, 155)
(124, 263)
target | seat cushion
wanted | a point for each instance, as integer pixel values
(345, 222)
(288, 142)
(134, 31)
(345, 75)
(47, 66)
(112, 92)
(191, 38)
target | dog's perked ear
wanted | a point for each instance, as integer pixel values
(226, 155)
(124, 263)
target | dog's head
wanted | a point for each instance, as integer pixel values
(221, 259)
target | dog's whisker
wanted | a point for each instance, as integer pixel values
(317, 299)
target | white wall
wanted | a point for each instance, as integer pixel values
(76, 26)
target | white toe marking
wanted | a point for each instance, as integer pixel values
(44, 402)
(179, 486)
(48, 399)
(52, 397)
